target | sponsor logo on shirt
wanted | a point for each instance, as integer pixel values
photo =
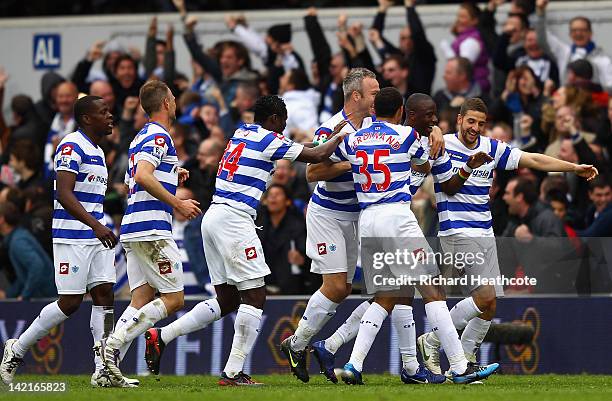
(250, 253)
(322, 248)
(165, 267)
(64, 268)
(67, 150)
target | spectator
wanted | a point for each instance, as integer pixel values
(599, 216)
(126, 81)
(581, 47)
(294, 180)
(413, 46)
(25, 161)
(566, 126)
(580, 74)
(246, 95)
(46, 106)
(105, 91)
(38, 216)
(459, 86)
(395, 72)
(202, 176)
(469, 44)
(604, 132)
(194, 281)
(507, 48)
(63, 123)
(283, 238)
(529, 218)
(155, 53)
(108, 52)
(33, 267)
(520, 105)
(330, 68)
(302, 103)
(560, 205)
(230, 67)
(27, 125)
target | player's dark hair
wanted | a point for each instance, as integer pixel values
(387, 102)
(83, 106)
(267, 106)
(10, 213)
(152, 95)
(599, 182)
(415, 101)
(475, 104)
(527, 188)
(28, 152)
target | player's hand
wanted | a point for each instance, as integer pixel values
(170, 35)
(522, 234)
(311, 12)
(374, 37)
(230, 22)
(339, 127)
(130, 103)
(436, 142)
(478, 159)
(183, 175)
(586, 171)
(342, 19)
(188, 208)
(409, 3)
(106, 236)
(95, 51)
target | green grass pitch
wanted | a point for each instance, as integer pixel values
(287, 388)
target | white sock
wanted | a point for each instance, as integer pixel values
(101, 325)
(406, 334)
(143, 320)
(126, 316)
(473, 335)
(464, 311)
(49, 317)
(348, 330)
(442, 324)
(246, 329)
(318, 312)
(199, 317)
(369, 326)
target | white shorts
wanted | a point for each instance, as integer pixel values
(389, 229)
(331, 244)
(78, 267)
(157, 263)
(234, 254)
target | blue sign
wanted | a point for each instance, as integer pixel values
(581, 345)
(47, 51)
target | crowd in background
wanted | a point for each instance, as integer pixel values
(545, 94)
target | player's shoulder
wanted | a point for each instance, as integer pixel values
(73, 137)
(329, 124)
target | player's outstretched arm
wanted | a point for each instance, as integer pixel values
(454, 184)
(326, 171)
(65, 196)
(145, 178)
(542, 162)
(321, 152)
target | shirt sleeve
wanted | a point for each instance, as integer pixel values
(470, 49)
(68, 157)
(154, 149)
(417, 154)
(442, 168)
(282, 147)
(507, 157)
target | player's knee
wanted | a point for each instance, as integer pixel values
(69, 304)
(173, 302)
(336, 290)
(486, 301)
(255, 297)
